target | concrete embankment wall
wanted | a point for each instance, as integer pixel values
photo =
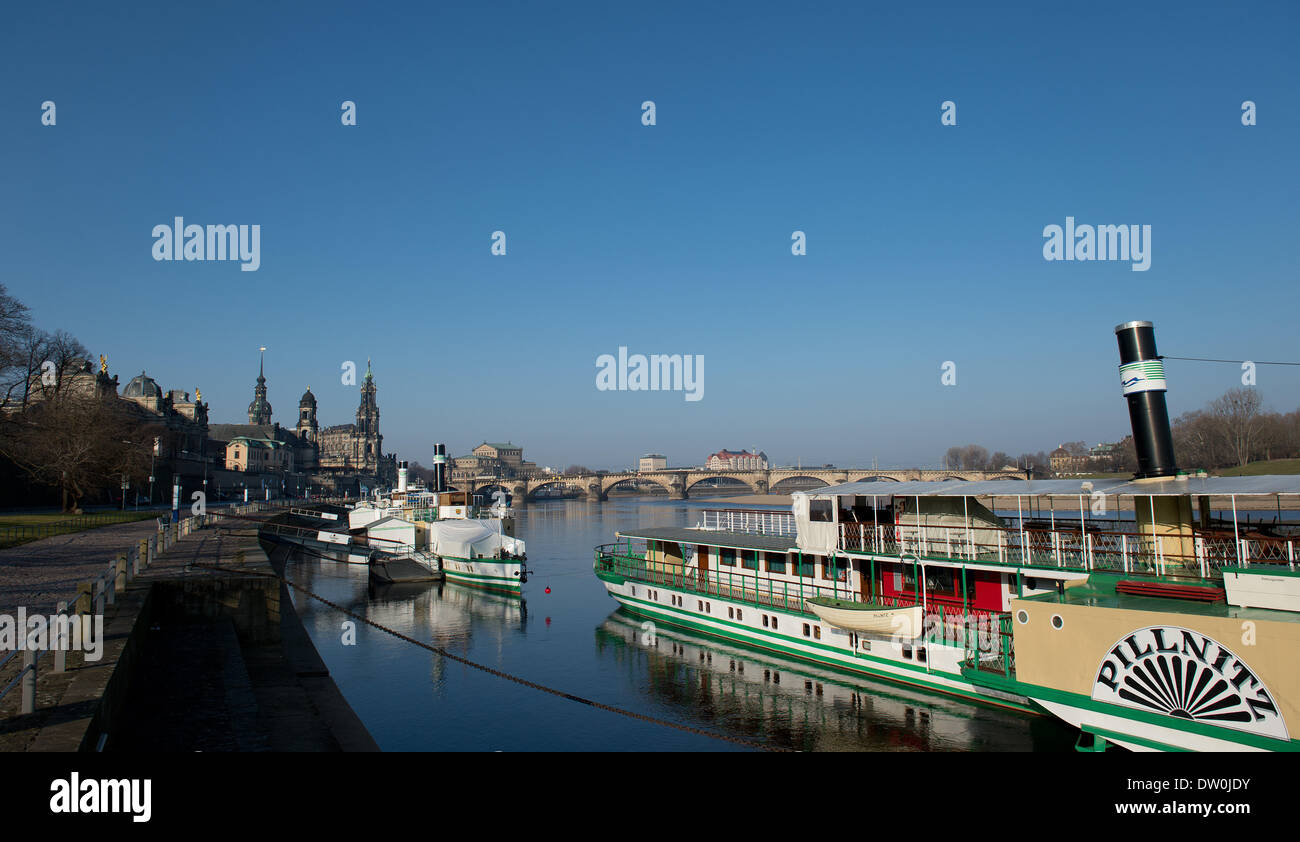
(202, 651)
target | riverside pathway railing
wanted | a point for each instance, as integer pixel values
(13, 534)
(94, 596)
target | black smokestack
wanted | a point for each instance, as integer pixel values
(440, 468)
(1142, 376)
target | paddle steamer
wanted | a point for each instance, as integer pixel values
(411, 534)
(1144, 612)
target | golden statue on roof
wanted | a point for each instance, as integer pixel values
(103, 364)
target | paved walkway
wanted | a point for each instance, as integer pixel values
(39, 574)
(198, 687)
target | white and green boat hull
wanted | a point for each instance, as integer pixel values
(504, 575)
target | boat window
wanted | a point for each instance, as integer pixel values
(740, 615)
(835, 568)
(775, 562)
(807, 630)
(749, 558)
(821, 511)
(731, 613)
(764, 621)
(727, 557)
(817, 632)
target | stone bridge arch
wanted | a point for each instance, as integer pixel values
(757, 485)
(808, 475)
(535, 485)
(608, 482)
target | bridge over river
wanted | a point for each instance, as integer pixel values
(679, 481)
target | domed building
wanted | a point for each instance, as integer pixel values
(144, 390)
(185, 420)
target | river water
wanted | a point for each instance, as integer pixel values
(575, 640)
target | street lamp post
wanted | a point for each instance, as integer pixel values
(153, 463)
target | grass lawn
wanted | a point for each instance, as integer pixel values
(1254, 469)
(22, 528)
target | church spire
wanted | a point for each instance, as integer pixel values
(259, 411)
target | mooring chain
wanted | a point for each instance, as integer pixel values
(508, 676)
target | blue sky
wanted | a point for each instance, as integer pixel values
(924, 241)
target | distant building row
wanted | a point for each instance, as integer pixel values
(723, 460)
(495, 459)
(1107, 456)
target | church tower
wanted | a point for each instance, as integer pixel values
(370, 441)
(259, 411)
(307, 417)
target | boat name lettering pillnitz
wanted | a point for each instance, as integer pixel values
(123, 795)
(1099, 242)
(179, 241)
(657, 372)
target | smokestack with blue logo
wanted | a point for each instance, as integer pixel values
(440, 468)
(1142, 376)
(401, 475)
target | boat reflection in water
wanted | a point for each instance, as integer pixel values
(443, 614)
(761, 696)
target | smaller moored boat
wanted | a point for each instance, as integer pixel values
(903, 621)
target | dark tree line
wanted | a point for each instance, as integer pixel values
(1235, 429)
(1231, 430)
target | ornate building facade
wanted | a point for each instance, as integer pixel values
(326, 453)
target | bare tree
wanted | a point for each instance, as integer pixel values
(79, 444)
(974, 457)
(39, 365)
(1237, 414)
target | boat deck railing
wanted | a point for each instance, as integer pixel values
(994, 653)
(748, 521)
(1073, 548)
(741, 587)
(943, 624)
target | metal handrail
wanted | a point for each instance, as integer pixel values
(101, 592)
(748, 521)
(1068, 548)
